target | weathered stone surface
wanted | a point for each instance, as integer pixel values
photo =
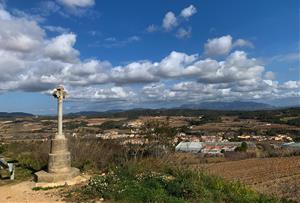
(43, 176)
(59, 163)
(59, 145)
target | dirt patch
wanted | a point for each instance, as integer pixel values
(22, 193)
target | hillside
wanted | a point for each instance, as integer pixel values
(134, 113)
(236, 105)
(15, 114)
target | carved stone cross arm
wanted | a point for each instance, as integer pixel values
(59, 93)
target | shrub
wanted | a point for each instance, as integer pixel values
(28, 161)
(95, 154)
(149, 181)
(75, 124)
(32, 156)
(242, 148)
(113, 124)
(160, 136)
(2, 148)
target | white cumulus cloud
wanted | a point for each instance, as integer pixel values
(242, 43)
(183, 33)
(169, 21)
(218, 46)
(61, 48)
(77, 3)
(223, 45)
(188, 11)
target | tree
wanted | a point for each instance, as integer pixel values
(159, 136)
(242, 148)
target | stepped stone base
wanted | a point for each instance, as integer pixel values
(43, 176)
(77, 180)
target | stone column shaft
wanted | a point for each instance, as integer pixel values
(60, 117)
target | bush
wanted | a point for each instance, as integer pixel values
(75, 124)
(208, 118)
(242, 148)
(2, 148)
(151, 181)
(295, 122)
(28, 161)
(32, 156)
(95, 154)
(113, 124)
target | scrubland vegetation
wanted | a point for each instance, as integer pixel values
(155, 181)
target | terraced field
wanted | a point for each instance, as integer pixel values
(277, 176)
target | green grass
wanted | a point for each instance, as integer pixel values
(21, 174)
(46, 188)
(149, 181)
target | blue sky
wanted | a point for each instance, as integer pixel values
(160, 53)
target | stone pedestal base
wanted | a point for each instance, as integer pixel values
(59, 164)
(43, 176)
(59, 157)
(77, 180)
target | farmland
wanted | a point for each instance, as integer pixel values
(274, 176)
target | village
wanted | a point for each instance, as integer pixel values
(207, 145)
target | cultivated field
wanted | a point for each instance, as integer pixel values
(277, 176)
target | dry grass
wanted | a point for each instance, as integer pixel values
(175, 121)
(99, 121)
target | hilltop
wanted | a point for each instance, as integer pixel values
(15, 114)
(235, 105)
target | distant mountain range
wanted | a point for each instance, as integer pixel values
(15, 114)
(205, 106)
(235, 105)
(219, 106)
(94, 113)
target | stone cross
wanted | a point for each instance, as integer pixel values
(60, 94)
(59, 163)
